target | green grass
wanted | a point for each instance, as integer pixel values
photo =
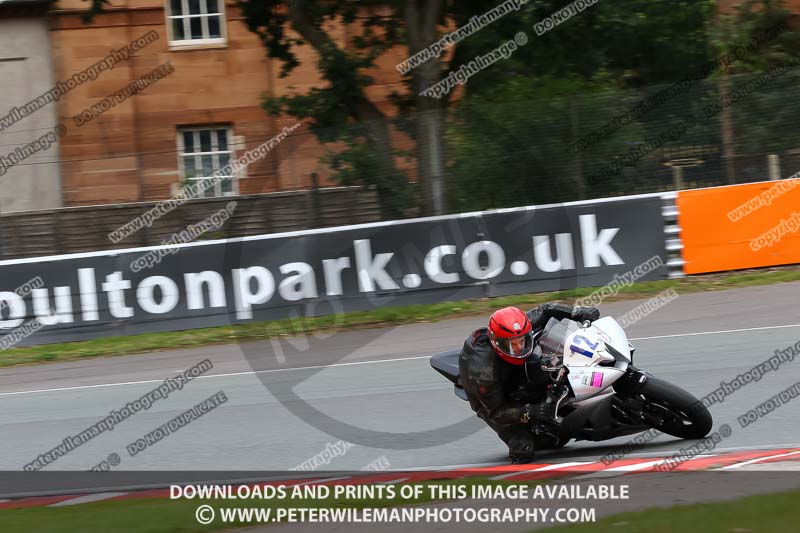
(111, 346)
(167, 516)
(770, 513)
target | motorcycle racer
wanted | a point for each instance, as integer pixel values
(505, 392)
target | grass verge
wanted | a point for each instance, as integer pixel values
(773, 513)
(168, 516)
(149, 342)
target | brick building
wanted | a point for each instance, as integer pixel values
(26, 68)
(186, 125)
(205, 111)
(726, 6)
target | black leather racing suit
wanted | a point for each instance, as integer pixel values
(500, 392)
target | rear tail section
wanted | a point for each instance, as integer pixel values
(446, 363)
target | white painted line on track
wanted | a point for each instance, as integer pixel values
(620, 470)
(715, 332)
(452, 467)
(547, 468)
(595, 457)
(211, 376)
(312, 367)
(392, 481)
(87, 499)
(321, 480)
(625, 469)
(753, 461)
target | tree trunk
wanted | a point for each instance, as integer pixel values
(377, 127)
(421, 17)
(726, 126)
(362, 110)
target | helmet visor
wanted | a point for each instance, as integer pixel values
(516, 347)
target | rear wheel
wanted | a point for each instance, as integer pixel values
(675, 411)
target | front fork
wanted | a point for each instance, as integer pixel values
(557, 391)
(630, 407)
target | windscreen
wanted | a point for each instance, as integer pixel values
(555, 334)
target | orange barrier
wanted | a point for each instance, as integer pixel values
(740, 226)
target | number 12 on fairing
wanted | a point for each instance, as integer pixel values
(577, 349)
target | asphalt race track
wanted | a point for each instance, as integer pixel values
(381, 383)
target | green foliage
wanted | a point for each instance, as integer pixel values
(510, 147)
(508, 137)
(766, 121)
(749, 19)
(509, 130)
(332, 111)
(359, 164)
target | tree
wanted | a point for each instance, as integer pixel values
(614, 52)
(509, 136)
(770, 116)
(341, 110)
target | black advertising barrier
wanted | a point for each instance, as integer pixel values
(333, 270)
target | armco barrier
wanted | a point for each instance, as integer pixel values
(317, 272)
(740, 226)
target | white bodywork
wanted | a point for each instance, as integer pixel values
(585, 348)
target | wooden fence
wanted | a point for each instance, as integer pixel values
(84, 229)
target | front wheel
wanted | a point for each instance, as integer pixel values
(675, 411)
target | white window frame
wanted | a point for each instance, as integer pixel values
(187, 30)
(231, 151)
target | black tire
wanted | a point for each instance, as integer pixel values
(683, 415)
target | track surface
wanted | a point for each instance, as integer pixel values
(383, 384)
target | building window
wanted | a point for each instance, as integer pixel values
(193, 22)
(203, 152)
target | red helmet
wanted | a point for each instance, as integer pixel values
(511, 336)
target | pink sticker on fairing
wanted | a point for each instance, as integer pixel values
(597, 379)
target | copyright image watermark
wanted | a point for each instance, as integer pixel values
(92, 72)
(131, 89)
(677, 88)
(22, 332)
(143, 403)
(563, 15)
(754, 374)
(331, 451)
(773, 236)
(675, 132)
(475, 24)
(766, 408)
(446, 257)
(629, 447)
(467, 70)
(378, 465)
(113, 460)
(764, 199)
(21, 153)
(621, 281)
(170, 246)
(23, 290)
(166, 429)
(647, 307)
(685, 454)
(197, 189)
(180, 421)
(718, 395)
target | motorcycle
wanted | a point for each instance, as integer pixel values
(599, 393)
